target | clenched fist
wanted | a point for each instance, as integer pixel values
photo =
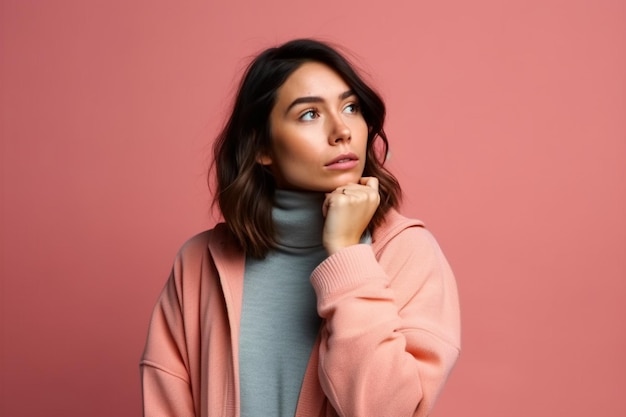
(348, 210)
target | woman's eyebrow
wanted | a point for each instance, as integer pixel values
(316, 99)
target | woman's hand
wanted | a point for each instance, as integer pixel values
(348, 210)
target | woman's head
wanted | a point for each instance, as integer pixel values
(318, 136)
(299, 108)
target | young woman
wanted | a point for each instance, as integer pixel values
(315, 297)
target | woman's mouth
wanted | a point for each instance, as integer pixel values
(343, 162)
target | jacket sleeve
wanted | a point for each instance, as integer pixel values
(164, 365)
(392, 326)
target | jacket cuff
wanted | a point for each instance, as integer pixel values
(346, 269)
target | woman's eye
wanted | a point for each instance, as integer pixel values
(352, 108)
(308, 115)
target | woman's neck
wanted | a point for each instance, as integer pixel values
(298, 218)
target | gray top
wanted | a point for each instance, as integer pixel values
(279, 321)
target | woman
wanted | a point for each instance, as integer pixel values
(314, 297)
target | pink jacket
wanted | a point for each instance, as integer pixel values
(390, 337)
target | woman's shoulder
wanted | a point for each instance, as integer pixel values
(217, 243)
(394, 223)
(401, 236)
(201, 242)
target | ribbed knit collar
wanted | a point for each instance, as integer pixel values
(298, 219)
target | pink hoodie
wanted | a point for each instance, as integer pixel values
(390, 337)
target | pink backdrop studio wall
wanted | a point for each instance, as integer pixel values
(508, 133)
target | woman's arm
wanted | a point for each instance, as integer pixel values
(391, 333)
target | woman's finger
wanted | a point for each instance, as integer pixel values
(370, 182)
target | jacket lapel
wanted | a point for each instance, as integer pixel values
(230, 262)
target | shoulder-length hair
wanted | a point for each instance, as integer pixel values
(245, 188)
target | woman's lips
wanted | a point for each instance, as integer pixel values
(343, 162)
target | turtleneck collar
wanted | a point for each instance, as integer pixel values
(298, 219)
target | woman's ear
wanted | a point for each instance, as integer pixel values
(263, 155)
(264, 159)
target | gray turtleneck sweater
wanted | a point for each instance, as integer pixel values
(279, 321)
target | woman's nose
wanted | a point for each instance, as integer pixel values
(340, 132)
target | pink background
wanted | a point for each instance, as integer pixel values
(507, 123)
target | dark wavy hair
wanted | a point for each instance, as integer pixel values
(245, 188)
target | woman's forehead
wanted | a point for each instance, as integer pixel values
(312, 79)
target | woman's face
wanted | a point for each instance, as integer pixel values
(318, 134)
